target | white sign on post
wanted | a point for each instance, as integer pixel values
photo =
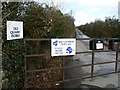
(14, 30)
(99, 45)
(63, 47)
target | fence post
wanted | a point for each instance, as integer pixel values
(93, 55)
(117, 54)
(25, 69)
(63, 60)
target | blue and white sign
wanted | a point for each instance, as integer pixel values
(63, 47)
(14, 30)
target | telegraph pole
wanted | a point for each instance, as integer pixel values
(1, 27)
(118, 44)
(119, 11)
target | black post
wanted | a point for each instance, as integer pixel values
(92, 67)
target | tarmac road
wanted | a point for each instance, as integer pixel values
(103, 81)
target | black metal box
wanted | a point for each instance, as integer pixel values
(113, 44)
(96, 44)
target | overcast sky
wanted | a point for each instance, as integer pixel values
(86, 11)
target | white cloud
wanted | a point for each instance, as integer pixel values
(95, 9)
(82, 18)
(85, 11)
(92, 3)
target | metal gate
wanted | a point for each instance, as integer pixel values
(62, 68)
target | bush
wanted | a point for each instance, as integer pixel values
(38, 22)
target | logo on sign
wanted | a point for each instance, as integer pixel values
(69, 50)
(55, 43)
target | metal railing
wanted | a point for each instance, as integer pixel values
(64, 67)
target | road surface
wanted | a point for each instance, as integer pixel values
(103, 81)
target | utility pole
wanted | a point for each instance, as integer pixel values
(0, 19)
(119, 42)
(119, 11)
(1, 27)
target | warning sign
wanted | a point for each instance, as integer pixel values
(14, 30)
(63, 47)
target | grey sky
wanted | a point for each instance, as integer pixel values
(86, 11)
